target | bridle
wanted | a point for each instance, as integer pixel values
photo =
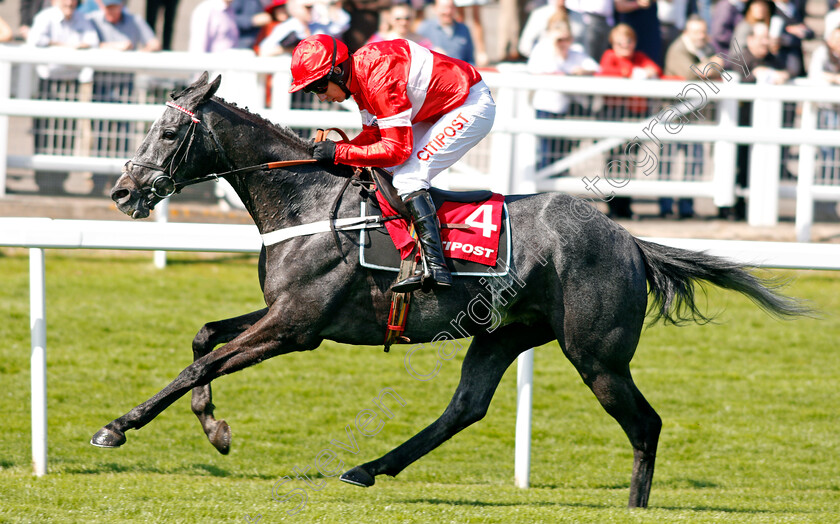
(164, 185)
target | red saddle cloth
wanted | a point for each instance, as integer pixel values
(478, 243)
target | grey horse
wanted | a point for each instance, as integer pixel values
(574, 276)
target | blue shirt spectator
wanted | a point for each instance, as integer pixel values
(118, 29)
(447, 35)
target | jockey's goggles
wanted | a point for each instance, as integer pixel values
(318, 87)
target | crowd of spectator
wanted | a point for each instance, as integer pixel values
(640, 39)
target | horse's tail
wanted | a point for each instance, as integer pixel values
(672, 272)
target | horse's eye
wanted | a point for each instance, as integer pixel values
(169, 134)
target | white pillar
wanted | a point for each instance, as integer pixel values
(524, 384)
(765, 167)
(38, 359)
(161, 215)
(5, 94)
(805, 180)
(723, 160)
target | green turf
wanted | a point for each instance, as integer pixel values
(750, 411)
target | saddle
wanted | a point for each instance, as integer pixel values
(376, 180)
(382, 181)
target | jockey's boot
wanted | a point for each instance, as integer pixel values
(434, 272)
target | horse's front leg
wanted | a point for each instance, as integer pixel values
(268, 337)
(208, 337)
(486, 361)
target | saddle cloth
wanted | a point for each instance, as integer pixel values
(478, 240)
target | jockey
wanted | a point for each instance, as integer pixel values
(421, 112)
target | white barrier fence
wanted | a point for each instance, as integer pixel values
(39, 234)
(511, 152)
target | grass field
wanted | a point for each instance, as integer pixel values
(750, 408)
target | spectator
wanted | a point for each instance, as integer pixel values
(447, 35)
(672, 19)
(692, 48)
(170, 9)
(87, 7)
(60, 25)
(554, 54)
(400, 21)
(764, 68)
(824, 68)
(5, 31)
(365, 21)
(301, 24)
(756, 12)
(791, 31)
(120, 30)
(28, 10)
(642, 16)
(250, 16)
(537, 25)
(279, 14)
(832, 20)
(470, 12)
(595, 19)
(623, 60)
(213, 27)
(725, 16)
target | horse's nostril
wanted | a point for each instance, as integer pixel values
(119, 195)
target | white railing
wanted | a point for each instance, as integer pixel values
(511, 148)
(38, 234)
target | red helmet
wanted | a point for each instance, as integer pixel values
(314, 58)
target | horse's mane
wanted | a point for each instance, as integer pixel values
(286, 133)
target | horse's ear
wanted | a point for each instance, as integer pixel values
(213, 87)
(192, 88)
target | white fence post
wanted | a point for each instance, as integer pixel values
(805, 179)
(5, 95)
(38, 359)
(723, 162)
(765, 166)
(161, 216)
(524, 394)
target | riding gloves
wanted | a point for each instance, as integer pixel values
(324, 152)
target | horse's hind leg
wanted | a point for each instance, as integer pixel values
(208, 337)
(486, 361)
(620, 397)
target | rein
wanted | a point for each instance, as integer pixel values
(164, 185)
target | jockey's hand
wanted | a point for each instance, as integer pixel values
(325, 152)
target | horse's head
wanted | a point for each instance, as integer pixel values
(175, 151)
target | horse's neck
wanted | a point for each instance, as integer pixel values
(281, 197)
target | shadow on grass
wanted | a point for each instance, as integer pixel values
(481, 503)
(196, 470)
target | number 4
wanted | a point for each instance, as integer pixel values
(482, 218)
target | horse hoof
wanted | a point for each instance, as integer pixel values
(358, 477)
(220, 438)
(108, 438)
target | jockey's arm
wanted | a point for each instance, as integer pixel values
(393, 148)
(369, 135)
